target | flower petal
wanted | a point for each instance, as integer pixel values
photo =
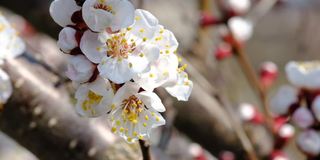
(124, 15)
(5, 87)
(92, 47)
(117, 70)
(182, 89)
(61, 11)
(127, 90)
(80, 69)
(67, 40)
(151, 100)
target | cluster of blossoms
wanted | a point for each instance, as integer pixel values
(300, 103)
(118, 56)
(11, 46)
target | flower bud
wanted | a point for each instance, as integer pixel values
(309, 142)
(241, 28)
(278, 155)
(249, 113)
(226, 155)
(80, 69)
(302, 117)
(285, 97)
(208, 20)
(223, 50)
(268, 73)
(67, 39)
(238, 7)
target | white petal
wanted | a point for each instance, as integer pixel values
(309, 142)
(127, 90)
(118, 71)
(283, 99)
(124, 15)
(141, 60)
(304, 74)
(302, 117)
(182, 90)
(145, 24)
(151, 100)
(61, 11)
(11, 45)
(92, 47)
(5, 87)
(67, 40)
(80, 69)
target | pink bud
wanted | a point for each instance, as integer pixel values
(197, 152)
(223, 50)
(278, 155)
(268, 73)
(302, 117)
(284, 134)
(250, 114)
(226, 155)
(208, 20)
(309, 142)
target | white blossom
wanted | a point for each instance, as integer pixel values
(126, 53)
(80, 69)
(239, 6)
(93, 98)
(100, 15)
(163, 71)
(304, 74)
(302, 117)
(135, 113)
(309, 142)
(283, 99)
(183, 87)
(10, 44)
(5, 87)
(67, 39)
(62, 10)
(241, 28)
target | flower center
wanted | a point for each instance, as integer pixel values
(309, 66)
(101, 5)
(92, 99)
(119, 47)
(132, 107)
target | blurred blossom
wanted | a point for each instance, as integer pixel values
(286, 131)
(304, 74)
(316, 107)
(5, 87)
(239, 6)
(10, 44)
(241, 28)
(249, 113)
(302, 117)
(285, 97)
(309, 142)
(223, 50)
(268, 73)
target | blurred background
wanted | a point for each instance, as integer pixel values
(39, 121)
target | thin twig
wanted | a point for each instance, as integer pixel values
(145, 150)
